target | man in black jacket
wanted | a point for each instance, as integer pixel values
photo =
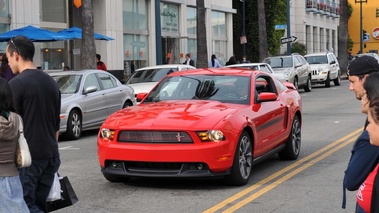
(189, 61)
(364, 156)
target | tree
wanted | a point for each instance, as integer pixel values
(343, 36)
(263, 46)
(88, 49)
(202, 50)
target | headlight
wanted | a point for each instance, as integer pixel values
(287, 73)
(107, 134)
(211, 135)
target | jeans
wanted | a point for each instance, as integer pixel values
(11, 197)
(37, 180)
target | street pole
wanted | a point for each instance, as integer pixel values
(243, 26)
(288, 26)
(158, 33)
(360, 28)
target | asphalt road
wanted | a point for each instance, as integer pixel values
(313, 183)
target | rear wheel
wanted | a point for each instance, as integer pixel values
(308, 86)
(292, 149)
(337, 81)
(243, 159)
(74, 126)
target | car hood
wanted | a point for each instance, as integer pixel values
(143, 87)
(202, 115)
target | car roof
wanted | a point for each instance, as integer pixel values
(247, 65)
(78, 72)
(315, 54)
(220, 71)
(166, 66)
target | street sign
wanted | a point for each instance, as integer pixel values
(137, 43)
(243, 40)
(280, 27)
(288, 39)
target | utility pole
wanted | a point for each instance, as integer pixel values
(288, 26)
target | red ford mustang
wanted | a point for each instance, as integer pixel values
(203, 123)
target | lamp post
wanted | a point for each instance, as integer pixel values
(360, 24)
(288, 26)
(243, 26)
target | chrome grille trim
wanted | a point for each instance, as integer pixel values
(154, 137)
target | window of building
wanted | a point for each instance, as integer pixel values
(218, 24)
(135, 14)
(192, 49)
(191, 20)
(53, 11)
(136, 49)
(4, 8)
(219, 37)
(170, 18)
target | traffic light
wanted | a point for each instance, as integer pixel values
(377, 12)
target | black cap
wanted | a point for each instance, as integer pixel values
(363, 65)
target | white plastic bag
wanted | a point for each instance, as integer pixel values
(55, 191)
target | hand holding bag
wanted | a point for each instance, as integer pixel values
(55, 190)
(23, 157)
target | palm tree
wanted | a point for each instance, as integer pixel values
(88, 49)
(263, 46)
(202, 50)
(343, 36)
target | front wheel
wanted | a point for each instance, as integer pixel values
(327, 81)
(308, 86)
(292, 149)
(74, 126)
(337, 81)
(243, 160)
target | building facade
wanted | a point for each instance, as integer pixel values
(315, 24)
(370, 26)
(133, 25)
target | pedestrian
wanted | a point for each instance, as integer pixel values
(66, 68)
(11, 195)
(100, 64)
(244, 60)
(232, 60)
(5, 69)
(189, 61)
(39, 106)
(213, 63)
(368, 193)
(364, 156)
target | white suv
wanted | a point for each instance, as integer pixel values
(325, 68)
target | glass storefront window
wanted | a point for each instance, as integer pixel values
(135, 14)
(136, 53)
(4, 8)
(169, 18)
(219, 49)
(191, 20)
(218, 24)
(53, 11)
(53, 55)
(192, 49)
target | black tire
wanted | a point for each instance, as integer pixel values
(327, 81)
(292, 149)
(74, 126)
(115, 178)
(296, 83)
(127, 104)
(308, 86)
(337, 81)
(242, 162)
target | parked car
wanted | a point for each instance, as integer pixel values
(292, 68)
(203, 123)
(255, 66)
(88, 98)
(144, 79)
(325, 68)
(375, 55)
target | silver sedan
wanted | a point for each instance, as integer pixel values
(88, 98)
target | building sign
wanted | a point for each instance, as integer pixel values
(169, 18)
(375, 33)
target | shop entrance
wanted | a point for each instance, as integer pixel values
(170, 51)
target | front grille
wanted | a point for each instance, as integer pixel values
(315, 72)
(154, 137)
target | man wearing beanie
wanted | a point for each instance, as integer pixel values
(364, 156)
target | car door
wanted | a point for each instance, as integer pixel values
(334, 66)
(115, 95)
(270, 123)
(94, 103)
(302, 70)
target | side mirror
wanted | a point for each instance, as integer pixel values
(332, 62)
(90, 89)
(298, 65)
(267, 96)
(141, 96)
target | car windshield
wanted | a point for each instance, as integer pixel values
(68, 84)
(279, 62)
(224, 88)
(150, 75)
(319, 59)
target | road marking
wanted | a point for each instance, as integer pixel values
(338, 144)
(68, 148)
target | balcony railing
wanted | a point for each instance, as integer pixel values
(324, 7)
